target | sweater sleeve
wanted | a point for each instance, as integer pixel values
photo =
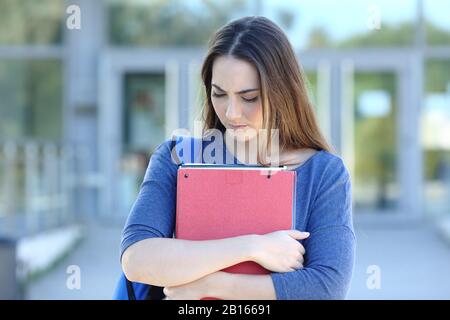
(330, 248)
(153, 212)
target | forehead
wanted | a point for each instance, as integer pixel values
(234, 74)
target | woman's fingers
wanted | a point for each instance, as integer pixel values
(302, 250)
(298, 234)
(298, 266)
(299, 263)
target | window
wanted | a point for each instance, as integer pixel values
(31, 92)
(435, 137)
(437, 22)
(349, 23)
(187, 23)
(31, 22)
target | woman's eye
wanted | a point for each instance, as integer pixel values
(250, 100)
(217, 95)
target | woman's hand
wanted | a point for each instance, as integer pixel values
(277, 251)
(194, 290)
(280, 251)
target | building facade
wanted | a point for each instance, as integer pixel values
(125, 84)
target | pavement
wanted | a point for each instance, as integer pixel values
(94, 262)
(409, 262)
(413, 263)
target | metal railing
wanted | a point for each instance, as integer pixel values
(40, 185)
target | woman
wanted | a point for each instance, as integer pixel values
(252, 81)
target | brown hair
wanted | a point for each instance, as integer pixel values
(285, 101)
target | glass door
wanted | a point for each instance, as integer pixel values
(375, 142)
(376, 138)
(139, 103)
(435, 137)
(144, 124)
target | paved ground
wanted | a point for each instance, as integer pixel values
(98, 260)
(414, 263)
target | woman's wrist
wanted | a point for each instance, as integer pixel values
(251, 247)
(219, 284)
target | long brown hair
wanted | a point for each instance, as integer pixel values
(285, 101)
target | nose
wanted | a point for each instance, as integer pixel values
(234, 111)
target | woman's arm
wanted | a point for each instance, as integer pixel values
(330, 250)
(172, 262)
(326, 275)
(150, 255)
(230, 286)
(225, 286)
(329, 260)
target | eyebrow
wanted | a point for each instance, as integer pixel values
(239, 92)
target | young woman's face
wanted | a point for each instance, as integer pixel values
(236, 96)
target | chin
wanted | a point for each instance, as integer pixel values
(242, 135)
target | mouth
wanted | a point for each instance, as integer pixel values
(236, 127)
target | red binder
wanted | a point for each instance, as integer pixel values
(222, 201)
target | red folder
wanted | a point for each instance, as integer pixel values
(222, 201)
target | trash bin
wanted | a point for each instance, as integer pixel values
(9, 288)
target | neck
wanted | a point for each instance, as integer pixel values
(244, 151)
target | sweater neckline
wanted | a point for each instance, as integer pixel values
(304, 164)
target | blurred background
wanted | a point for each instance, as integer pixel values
(82, 109)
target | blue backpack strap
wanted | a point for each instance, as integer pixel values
(120, 292)
(130, 290)
(156, 293)
(127, 290)
(140, 290)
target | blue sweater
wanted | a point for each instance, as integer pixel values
(324, 208)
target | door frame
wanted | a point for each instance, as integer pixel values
(335, 69)
(114, 64)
